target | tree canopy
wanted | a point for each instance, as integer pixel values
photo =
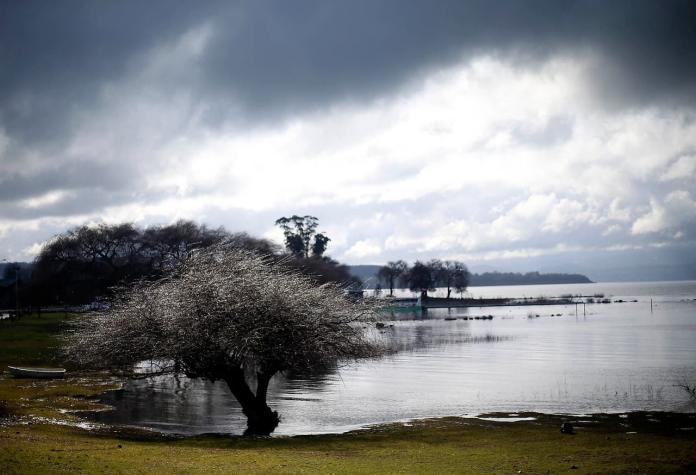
(392, 273)
(227, 314)
(85, 262)
(451, 275)
(324, 270)
(301, 235)
(420, 278)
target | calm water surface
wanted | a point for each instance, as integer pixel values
(612, 358)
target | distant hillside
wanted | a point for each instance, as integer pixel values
(24, 273)
(530, 278)
(368, 274)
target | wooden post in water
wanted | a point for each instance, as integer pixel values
(584, 313)
(576, 309)
(651, 306)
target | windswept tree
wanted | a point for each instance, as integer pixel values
(420, 279)
(392, 273)
(301, 235)
(230, 315)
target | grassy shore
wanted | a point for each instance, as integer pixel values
(33, 340)
(39, 434)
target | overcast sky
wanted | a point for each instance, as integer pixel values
(513, 135)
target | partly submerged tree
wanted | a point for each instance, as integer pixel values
(232, 315)
(460, 278)
(451, 275)
(392, 273)
(438, 271)
(420, 279)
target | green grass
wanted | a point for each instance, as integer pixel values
(31, 340)
(437, 446)
(34, 340)
(38, 435)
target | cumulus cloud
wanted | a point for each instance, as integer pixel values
(363, 249)
(462, 129)
(683, 167)
(678, 208)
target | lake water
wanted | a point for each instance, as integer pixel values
(610, 358)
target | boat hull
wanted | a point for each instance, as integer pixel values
(41, 373)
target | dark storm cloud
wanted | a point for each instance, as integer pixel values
(273, 58)
(278, 57)
(73, 175)
(54, 56)
(81, 201)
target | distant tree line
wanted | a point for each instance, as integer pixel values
(398, 274)
(529, 278)
(423, 277)
(84, 263)
(13, 278)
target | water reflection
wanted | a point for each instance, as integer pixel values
(415, 336)
(618, 357)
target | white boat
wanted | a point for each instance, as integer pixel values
(44, 373)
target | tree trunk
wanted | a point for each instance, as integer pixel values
(261, 420)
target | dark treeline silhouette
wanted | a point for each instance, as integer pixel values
(530, 278)
(84, 263)
(377, 276)
(324, 270)
(13, 279)
(423, 277)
